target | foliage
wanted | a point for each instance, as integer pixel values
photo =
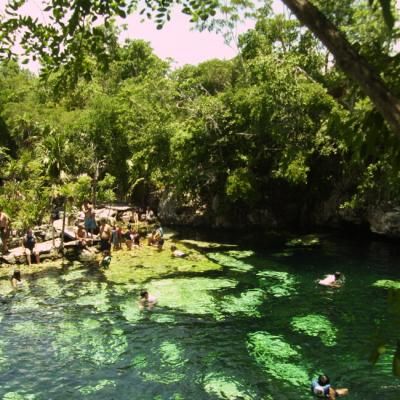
(278, 128)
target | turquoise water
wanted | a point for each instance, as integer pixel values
(256, 326)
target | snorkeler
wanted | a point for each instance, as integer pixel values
(321, 387)
(333, 280)
(147, 300)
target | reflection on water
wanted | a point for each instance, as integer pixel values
(230, 323)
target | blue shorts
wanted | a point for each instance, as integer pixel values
(90, 224)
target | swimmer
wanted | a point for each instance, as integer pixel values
(16, 280)
(177, 253)
(321, 387)
(147, 300)
(333, 280)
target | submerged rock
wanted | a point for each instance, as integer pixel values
(304, 241)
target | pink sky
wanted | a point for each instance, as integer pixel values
(179, 41)
(176, 40)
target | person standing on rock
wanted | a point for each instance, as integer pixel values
(89, 219)
(4, 230)
(105, 235)
(29, 243)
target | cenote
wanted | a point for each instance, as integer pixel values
(232, 322)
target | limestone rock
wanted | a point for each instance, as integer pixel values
(385, 222)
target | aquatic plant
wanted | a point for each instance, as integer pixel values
(316, 325)
(3, 358)
(240, 253)
(278, 283)
(171, 354)
(74, 273)
(146, 264)
(304, 241)
(162, 318)
(207, 245)
(175, 396)
(94, 294)
(227, 260)
(225, 387)
(247, 303)
(50, 285)
(130, 310)
(18, 396)
(179, 294)
(89, 340)
(170, 367)
(5, 287)
(28, 328)
(387, 284)
(89, 389)
(24, 304)
(140, 361)
(277, 358)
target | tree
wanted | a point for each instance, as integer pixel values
(60, 42)
(349, 60)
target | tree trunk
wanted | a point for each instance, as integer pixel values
(347, 58)
(63, 226)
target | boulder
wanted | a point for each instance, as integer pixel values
(385, 222)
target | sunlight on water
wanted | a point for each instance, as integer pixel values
(229, 324)
(316, 325)
(277, 358)
(278, 283)
(247, 303)
(89, 341)
(95, 388)
(190, 295)
(230, 261)
(225, 387)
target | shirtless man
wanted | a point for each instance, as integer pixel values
(89, 220)
(147, 300)
(105, 235)
(4, 229)
(81, 235)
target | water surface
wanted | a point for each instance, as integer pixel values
(232, 322)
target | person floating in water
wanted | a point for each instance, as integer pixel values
(105, 262)
(147, 300)
(333, 280)
(321, 387)
(16, 280)
(177, 253)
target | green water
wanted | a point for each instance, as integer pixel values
(231, 323)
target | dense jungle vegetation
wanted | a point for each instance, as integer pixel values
(279, 128)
